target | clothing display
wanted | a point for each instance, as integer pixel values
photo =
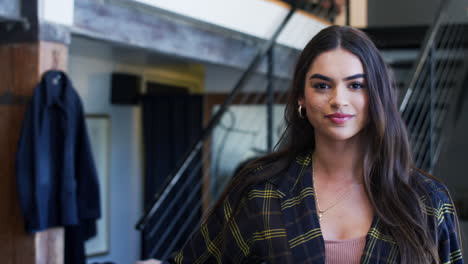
(278, 223)
(56, 175)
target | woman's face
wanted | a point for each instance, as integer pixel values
(335, 95)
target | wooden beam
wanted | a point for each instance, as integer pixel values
(358, 13)
(51, 32)
(12, 236)
(136, 25)
(21, 67)
(302, 12)
(151, 29)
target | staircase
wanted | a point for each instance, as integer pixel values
(429, 100)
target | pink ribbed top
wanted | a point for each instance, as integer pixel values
(347, 251)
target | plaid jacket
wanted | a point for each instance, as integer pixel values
(277, 223)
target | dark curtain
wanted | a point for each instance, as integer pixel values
(171, 123)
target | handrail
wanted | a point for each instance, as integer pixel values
(428, 42)
(412, 121)
(196, 147)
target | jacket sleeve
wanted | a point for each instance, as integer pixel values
(448, 239)
(25, 171)
(219, 240)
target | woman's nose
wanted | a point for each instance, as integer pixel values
(339, 97)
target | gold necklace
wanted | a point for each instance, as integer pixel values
(319, 211)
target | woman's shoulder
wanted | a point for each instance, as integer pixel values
(253, 174)
(434, 190)
(263, 176)
(442, 212)
(430, 182)
(263, 169)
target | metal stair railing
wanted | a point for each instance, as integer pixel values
(180, 191)
(215, 120)
(436, 78)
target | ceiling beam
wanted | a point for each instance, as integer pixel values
(141, 26)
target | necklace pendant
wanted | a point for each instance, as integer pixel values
(320, 213)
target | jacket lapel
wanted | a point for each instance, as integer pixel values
(299, 214)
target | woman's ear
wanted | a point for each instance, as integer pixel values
(300, 101)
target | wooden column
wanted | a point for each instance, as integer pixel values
(21, 68)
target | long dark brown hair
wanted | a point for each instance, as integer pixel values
(389, 175)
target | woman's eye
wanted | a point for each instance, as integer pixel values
(356, 85)
(321, 86)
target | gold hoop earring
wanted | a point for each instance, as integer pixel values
(299, 112)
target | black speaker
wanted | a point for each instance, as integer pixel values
(125, 89)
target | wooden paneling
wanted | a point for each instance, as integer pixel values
(24, 247)
(358, 13)
(16, 247)
(21, 66)
(6, 238)
(52, 56)
(50, 244)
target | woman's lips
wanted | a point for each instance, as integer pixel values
(339, 118)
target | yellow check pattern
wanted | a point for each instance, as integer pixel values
(275, 222)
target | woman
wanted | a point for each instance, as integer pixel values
(343, 188)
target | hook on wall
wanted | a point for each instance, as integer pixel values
(55, 65)
(55, 59)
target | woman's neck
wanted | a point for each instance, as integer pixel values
(339, 161)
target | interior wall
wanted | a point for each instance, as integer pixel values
(411, 13)
(401, 12)
(220, 79)
(90, 68)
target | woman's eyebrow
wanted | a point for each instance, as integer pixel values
(326, 78)
(355, 76)
(320, 76)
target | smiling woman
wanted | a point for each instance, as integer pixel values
(345, 155)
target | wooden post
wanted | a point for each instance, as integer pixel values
(358, 11)
(21, 68)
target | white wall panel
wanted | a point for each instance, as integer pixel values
(57, 11)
